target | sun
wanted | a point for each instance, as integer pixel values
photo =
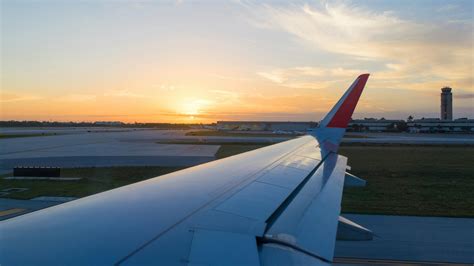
(190, 109)
(194, 107)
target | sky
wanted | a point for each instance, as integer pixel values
(204, 61)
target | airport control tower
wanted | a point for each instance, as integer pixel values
(446, 104)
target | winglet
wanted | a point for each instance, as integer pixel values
(341, 113)
(332, 128)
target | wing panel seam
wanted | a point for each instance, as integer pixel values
(274, 216)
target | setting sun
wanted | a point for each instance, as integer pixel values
(194, 107)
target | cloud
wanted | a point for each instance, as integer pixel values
(447, 8)
(309, 77)
(6, 97)
(169, 87)
(411, 53)
(276, 76)
(123, 93)
(338, 28)
(233, 78)
(225, 96)
(77, 98)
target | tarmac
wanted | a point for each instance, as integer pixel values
(412, 239)
(82, 148)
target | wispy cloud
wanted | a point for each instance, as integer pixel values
(339, 28)
(233, 78)
(413, 53)
(6, 97)
(77, 98)
(276, 76)
(123, 93)
(447, 8)
(309, 77)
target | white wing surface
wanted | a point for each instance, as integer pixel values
(277, 205)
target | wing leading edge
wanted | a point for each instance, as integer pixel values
(278, 205)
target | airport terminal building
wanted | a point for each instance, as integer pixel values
(375, 125)
(424, 125)
(436, 125)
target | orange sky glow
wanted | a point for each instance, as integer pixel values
(189, 62)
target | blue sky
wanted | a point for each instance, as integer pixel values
(202, 61)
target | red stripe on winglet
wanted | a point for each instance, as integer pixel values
(344, 113)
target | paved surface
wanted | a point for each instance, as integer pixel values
(62, 130)
(105, 161)
(85, 149)
(408, 238)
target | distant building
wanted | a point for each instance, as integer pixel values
(424, 125)
(265, 126)
(376, 125)
(108, 123)
(446, 104)
(436, 125)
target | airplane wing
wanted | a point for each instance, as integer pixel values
(278, 205)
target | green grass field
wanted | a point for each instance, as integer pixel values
(411, 180)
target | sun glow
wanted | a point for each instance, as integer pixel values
(194, 107)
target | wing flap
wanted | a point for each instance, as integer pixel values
(260, 198)
(310, 221)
